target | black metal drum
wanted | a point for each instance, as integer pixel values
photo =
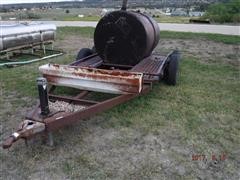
(125, 37)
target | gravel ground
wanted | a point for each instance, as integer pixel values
(65, 107)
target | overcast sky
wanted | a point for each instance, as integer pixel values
(28, 1)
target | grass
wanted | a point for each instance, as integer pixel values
(85, 18)
(190, 106)
(202, 110)
(84, 32)
(89, 31)
(160, 19)
(25, 57)
(227, 39)
(56, 14)
(23, 78)
(172, 19)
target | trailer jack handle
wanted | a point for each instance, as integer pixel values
(26, 129)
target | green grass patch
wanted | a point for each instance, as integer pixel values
(227, 39)
(160, 19)
(25, 56)
(92, 169)
(172, 19)
(22, 79)
(85, 18)
(206, 100)
(83, 31)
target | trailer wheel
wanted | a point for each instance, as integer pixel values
(84, 52)
(94, 49)
(171, 70)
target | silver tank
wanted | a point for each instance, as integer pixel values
(13, 36)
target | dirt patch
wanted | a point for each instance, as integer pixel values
(72, 44)
(206, 51)
(87, 151)
(129, 153)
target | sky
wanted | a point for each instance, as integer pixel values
(28, 1)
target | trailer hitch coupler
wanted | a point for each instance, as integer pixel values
(43, 95)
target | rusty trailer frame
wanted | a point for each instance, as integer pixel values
(93, 79)
(126, 82)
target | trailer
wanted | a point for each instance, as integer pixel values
(118, 66)
(126, 82)
(29, 40)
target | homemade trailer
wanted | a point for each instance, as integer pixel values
(126, 74)
(14, 38)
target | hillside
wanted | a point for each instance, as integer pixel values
(114, 3)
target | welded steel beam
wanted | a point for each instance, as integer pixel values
(91, 79)
(64, 119)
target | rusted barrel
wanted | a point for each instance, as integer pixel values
(125, 37)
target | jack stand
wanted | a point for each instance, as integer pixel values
(50, 139)
(43, 95)
(26, 142)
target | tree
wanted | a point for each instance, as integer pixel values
(67, 11)
(224, 12)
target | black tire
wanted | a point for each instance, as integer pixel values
(94, 49)
(171, 70)
(84, 52)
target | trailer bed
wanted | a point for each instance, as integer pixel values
(151, 65)
(136, 80)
